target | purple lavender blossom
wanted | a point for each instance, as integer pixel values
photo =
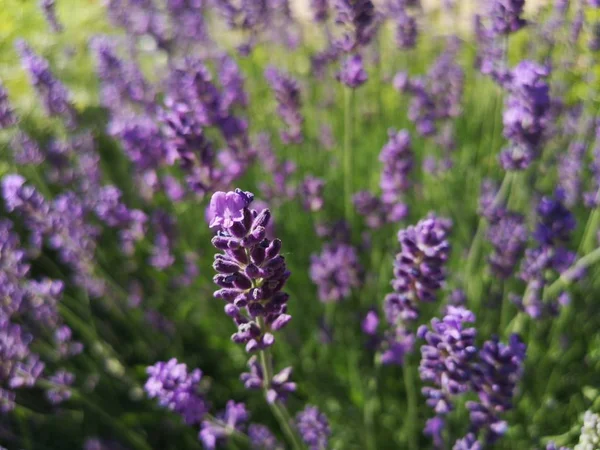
(406, 30)
(26, 150)
(336, 271)
(469, 442)
(48, 7)
(261, 438)
(358, 18)
(320, 10)
(215, 432)
(419, 267)
(177, 390)
(526, 112)
(121, 81)
(313, 427)
(555, 221)
(61, 384)
(397, 159)
(311, 192)
(164, 239)
(287, 94)
(277, 389)
(446, 358)
(371, 208)
(570, 168)
(352, 72)
(506, 17)
(508, 235)
(52, 92)
(498, 370)
(7, 115)
(251, 270)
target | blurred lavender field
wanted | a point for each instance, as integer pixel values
(318, 224)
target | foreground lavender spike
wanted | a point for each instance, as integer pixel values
(53, 93)
(177, 389)
(261, 438)
(313, 427)
(251, 270)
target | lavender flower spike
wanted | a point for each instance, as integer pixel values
(336, 271)
(313, 427)
(53, 93)
(251, 272)
(7, 116)
(287, 94)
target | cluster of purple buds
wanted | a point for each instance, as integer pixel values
(216, 432)
(352, 72)
(277, 389)
(62, 223)
(138, 18)
(287, 94)
(336, 271)
(176, 389)
(320, 10)
(53, 93)
(48, 7)
(446, 358)
(406, 23)
(121, 81)
(505, 16)
(7, 115)
(526, 114)
(397, 159)
(60, 391)
(453, 364)
(358, 18)
(508, 235)
(555, 224)
(313, 427)
(495, 376)
(419, 267)
(251, 269)
(311, 192)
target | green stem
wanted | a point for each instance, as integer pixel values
(567, 277)
(347, 157)
(411, 397)
(279, 409)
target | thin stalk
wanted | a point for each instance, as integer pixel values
(411, 397)
(279, 409)
(348, 157)
(567, 277)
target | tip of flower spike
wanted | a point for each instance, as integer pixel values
(227, 208)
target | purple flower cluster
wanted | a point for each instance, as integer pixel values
(48, 7)
(508, 235)
(505, 16)
(289, 103)
(277, 388)
(451, 362)
(397, 159)
(336, 271)
(214, 432)
(62, 223)
(251, 269)
(7, 115)
(358, 19)
(352, 72)
(436, 98)
(495, 376)
(526, 114)
(52, 92)
(177, 390)
(405, 23)
(121, 81)
(313, 427)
